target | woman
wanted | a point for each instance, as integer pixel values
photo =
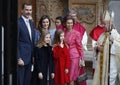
(73, 39)
(44, 24)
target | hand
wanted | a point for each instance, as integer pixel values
(81, 63)
(52, 75)
(111, 38)
(96, 47)
(40, 76)
(100, 48)
(20, 62)
(66, 71)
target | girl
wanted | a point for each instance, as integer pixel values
(61, 59)
(58, 24)
(43, 60)
(73, 39)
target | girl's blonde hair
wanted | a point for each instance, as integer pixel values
(41, 42)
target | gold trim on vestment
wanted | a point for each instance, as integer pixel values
(101, 58)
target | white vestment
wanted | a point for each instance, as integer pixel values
(102, 67)
(84, 41)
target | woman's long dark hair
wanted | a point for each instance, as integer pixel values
(40, 27)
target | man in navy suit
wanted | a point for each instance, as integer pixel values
(25, 44)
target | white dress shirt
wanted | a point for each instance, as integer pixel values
(28, 26)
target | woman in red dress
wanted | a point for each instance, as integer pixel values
(61, 59)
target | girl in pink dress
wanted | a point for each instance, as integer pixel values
(73, 40)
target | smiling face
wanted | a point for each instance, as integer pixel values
(69, 24)
(47, 39)
(27, 11)
(45, 23)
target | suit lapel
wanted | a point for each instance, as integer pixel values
(25, 27)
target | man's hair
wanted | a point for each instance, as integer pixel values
(26, 3)
(72, 12)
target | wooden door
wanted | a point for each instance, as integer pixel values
(20, 2)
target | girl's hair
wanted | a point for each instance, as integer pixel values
(57, 36)
(41, 42)
(67, 17)
(59, 18)
(40, 26)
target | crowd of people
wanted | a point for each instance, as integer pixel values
(57, 55)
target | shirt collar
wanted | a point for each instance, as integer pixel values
(25, 19)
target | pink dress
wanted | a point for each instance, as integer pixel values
(73, 39)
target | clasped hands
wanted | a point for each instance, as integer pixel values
(40, 75)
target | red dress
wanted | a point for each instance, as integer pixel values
(62, 62)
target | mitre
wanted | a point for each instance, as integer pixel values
(106, 16)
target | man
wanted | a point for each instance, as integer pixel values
(95, 34)
(80, 29)
(106, 61)
(25, 44)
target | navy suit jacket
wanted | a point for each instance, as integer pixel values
(25, 44)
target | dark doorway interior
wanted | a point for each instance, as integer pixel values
(8, 42)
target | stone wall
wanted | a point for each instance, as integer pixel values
(53, 8)
(88, 13)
